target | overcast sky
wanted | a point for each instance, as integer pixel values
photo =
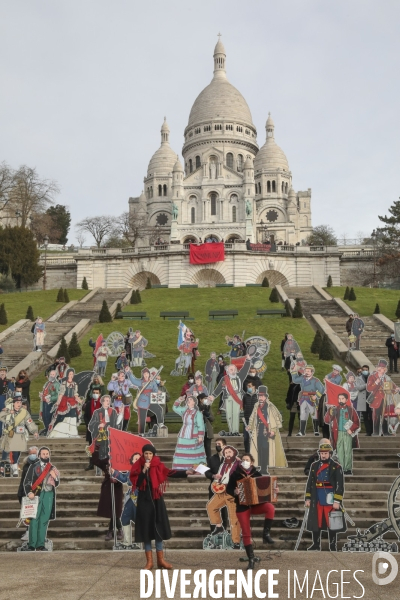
(85, 87)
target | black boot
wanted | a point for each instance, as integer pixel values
(250, 556)
(90, 465)
(316, 427)
(332, 540)
(267, 539)
(302, 429)
(316, 538)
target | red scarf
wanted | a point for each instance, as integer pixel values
(262, 417)
(158, 475)
(41, 477)
(232, 392)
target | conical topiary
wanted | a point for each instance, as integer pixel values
(298, 311)
(329, 282)
(325, 352)
(288, 308)
(377, 310)
(60, 295)
(317, 343)
(105, 315)
(346, 293)
(63, 350)
(66, 297)
(74, 348)
(138, 296)
(29, 314)
(397, 313)
(84, 284)
(352, 295)
(265, 282)
(119, 310)
(134, 299)
(3, 315)
(148, 284)
(274, 296)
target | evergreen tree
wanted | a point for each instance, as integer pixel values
(352, 295)
(346, 293)
(288, 309)
(19, 253)
(265, 282)
(60, 295)
(29, 314)
(3, 315)
(377, 310)
(329, 282)
(105, 315)
(119, 310)
(325, 352)
(138, 296)
(85, 284)
(63, 350)
(274, 296)
(74, 348)
(148, 284)
(66, 297)
(298, 311)
(134, 299)
(317, 343)
(397, 313)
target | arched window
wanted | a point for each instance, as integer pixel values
(165, 190)
(190, 165)
(151, 192)
(268, 187)
(273, 186)
(229, 160)
(198, 163)
(193, 215)
(233, 214)
(160, 190)
(213, 198)
(240, 163)
(283, 187)
(286, 188)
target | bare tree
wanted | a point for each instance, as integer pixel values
(6, 184)
(132, 226)
(29, 194)
(81, 238)
(98, 227)
(43, 224)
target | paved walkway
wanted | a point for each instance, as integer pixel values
(116, 575)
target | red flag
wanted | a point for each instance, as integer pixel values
(207, 253)
(122, 445)
(98, 344)
(333, 391)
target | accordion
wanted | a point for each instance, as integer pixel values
(256, 490)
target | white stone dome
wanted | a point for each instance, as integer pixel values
(178, 165)
(220, 100)
(270, 156)
(163, 160)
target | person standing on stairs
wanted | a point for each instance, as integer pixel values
(7, 386)
(283, 342)
(363, 407)
(393, 353)
(311, 390)
(39, 332)
(357, 328)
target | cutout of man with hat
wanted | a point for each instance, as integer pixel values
(264, 424)
(344, 425)
(381, 399)
(311, 390)
(335, 375)
(324, 493)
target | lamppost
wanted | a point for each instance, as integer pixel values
(45, 244)
(374, 235)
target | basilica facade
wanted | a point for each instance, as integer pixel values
(226, 188)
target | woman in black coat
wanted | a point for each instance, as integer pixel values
(104, 508)
(149, 476)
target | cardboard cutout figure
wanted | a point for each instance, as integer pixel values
(291, 347)
(120, 386)
(17, 425)
(212, 371)
(335, 375)
(344, 424)
(231, 388)
(220, 538)
(189, 449)
(383, 400)
(39, 332)
(263, 347)
(357, 328)
(62, 368)
(311, 390)
(265, 439)
(146, 386)
(198, 387)
(102, 419)
(40, 483)
(7, 387)
(237, 347)
(324, 500)
(188, 347)
(352, 387)
(48, 398)
(138, 344)
(115, 343)
(67, 409)
(96, 345)
(101, 355)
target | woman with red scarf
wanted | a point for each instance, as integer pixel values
(243, 512)
(149, 475)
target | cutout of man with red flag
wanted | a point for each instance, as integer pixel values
(344, 424)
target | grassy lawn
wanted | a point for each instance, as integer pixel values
(163, 335)
(367, 299)
(43, 303)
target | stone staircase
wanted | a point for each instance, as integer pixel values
(78, 528)
(91, 308)
(312, 303)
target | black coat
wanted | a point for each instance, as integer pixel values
(392, 353)
(256, 380)
(104, 508)
(238, 474)
(214, 463)
(249, 401)
(21, 491)
(337, 481)
(151, 515)
(33, 473)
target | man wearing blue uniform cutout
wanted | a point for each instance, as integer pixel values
(311, 390)
(148, 385)
(335, 375)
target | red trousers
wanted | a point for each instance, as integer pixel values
(323, 511)
(266, 508)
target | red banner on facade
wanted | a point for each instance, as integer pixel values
(207, 253)
(122, 445)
